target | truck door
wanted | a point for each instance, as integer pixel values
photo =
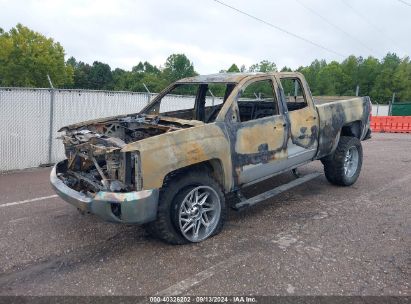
(259, 133)
(303, 117)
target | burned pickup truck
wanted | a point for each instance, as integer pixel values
(172, 165)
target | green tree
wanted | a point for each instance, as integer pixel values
(233, 69)
(331, 80)
(384, 82)
(141, 74)
(100, 77)
(402, 80)
(151, 76)
(145, 67)
(367, 73)
(81, 74)
(178, 66)
(263, 66)
(121, 80)
(286, 69)
(311, 74)
(147, 74)
(350, 68)
(26, 57)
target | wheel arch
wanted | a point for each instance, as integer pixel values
(352, 129)
(213, 166)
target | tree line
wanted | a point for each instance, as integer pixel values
(27, 57)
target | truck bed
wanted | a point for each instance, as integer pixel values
(334, 113)
(324, 99)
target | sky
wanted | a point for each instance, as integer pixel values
(213, 36)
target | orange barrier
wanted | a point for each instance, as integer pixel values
(391, 124)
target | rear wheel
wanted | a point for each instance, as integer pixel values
(191, 209)
(344, 166)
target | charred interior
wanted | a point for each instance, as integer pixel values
(94, 158)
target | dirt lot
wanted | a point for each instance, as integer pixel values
(317, 239)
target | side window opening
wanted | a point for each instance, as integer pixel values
(257, 101)
(294, 94)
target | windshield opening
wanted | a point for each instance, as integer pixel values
(192, 101)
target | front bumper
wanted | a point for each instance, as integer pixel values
(137, 207)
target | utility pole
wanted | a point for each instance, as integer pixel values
(357, 90)
(51, 120)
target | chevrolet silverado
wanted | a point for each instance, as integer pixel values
(172, 165)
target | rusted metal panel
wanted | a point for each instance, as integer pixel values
(334, 115)
(269, 132)
(171, 151)
(304, 127)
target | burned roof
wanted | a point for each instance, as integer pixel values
(220, 77)
(231, 77)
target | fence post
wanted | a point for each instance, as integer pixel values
(378, 106)
(148, 93)
(390, 104)
(51, 120)
(51, 125)
(212, 97)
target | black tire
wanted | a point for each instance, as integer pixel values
(334, 164)
(166, 227)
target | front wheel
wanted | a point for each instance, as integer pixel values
(198, 212)
(191, 209)
(344, 166)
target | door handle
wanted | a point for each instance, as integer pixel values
(282, 125)
(311, 118)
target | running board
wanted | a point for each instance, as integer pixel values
(244, 203)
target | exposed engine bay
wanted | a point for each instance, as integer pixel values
(93, 149)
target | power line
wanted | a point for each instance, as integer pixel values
(365, 19)
(335, 26)
(405, 2)
(281, 29)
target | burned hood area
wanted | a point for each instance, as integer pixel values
(95, 161)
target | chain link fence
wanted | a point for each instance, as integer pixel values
(24, 116)
(30, 119)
